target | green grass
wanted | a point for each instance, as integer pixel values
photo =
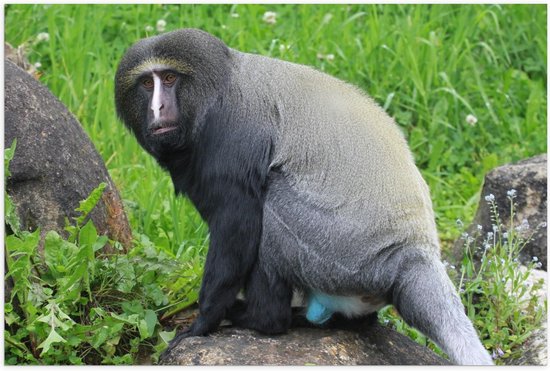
(430, 66)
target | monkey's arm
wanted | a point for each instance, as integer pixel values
(235, 234)
(235, 229)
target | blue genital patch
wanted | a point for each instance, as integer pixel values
(321, 307)
(317, 312)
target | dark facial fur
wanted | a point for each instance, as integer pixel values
(305, 183)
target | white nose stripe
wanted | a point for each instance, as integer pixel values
(156, 103)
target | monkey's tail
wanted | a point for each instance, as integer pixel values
(427, 299)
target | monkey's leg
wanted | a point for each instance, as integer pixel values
(267, 307)
(426, 299)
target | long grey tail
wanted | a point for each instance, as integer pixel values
(426, 299)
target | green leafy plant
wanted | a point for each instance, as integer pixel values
(496, 292)
(74, 304)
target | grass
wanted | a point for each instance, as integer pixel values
(429, 66)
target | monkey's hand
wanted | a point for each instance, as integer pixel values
(198, 328)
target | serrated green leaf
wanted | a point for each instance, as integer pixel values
(88, 234)
(89, 203)
(52, 338)
(10, 212)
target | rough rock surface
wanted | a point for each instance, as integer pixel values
(55, 165)
(529, 179)
(371, 344)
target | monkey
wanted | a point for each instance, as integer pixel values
(306, 184)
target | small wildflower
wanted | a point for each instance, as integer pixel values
(149, 28)
(490, 235)
(328, 57)
(161, 25)
(524, 225)
(505, 235)
(479, 227)
(283, 48)
(464, 235)
(42, 36)
(535, 259)
(37, 65)
(538, 265)
(495, 228)
(511, 193)
(235, 15)
(270, 17)
(452, 266)
(487, 246)
(490, 197)
(470, 240)
(459, 223)
(471, 120)
(502, 262)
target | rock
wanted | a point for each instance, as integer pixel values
(529, 179)
(371, 344)
(534, 351)
(55, 164)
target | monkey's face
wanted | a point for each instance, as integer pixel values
(151, 101)
(166, 84)
(163, 120)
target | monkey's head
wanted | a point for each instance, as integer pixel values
(165, 85)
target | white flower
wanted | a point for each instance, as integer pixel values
(525, 224)
(37, 65)
(505, 235)
(270, 17)
(43, 36)
(161, 25)
(511, 193)
(490, 235)
(149, 28)
(235, 15)
(328, 57)
(283, 48)
(479, 227)
(471, 119)
(490, 197)
(535, 259)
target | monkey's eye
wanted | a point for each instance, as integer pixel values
(148, 83)
(169, 78)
